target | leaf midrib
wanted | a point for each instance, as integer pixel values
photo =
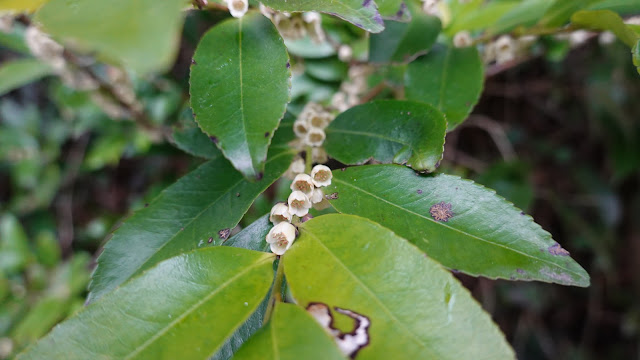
(197, 305)
(373, 296)
(460, 231)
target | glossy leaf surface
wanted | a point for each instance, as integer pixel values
(141, 34)
(184, 308)
(606, 20)
(17, 73)
(253, 236)
(448, 78)
(414, 307)
(198, 210)
(460, 224)
(363, 14)
(388, 131)
(239, 91)
(188, 137)
(291, 334)
(402, 41)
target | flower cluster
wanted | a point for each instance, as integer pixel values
(351, 90)
(506, 49)
(297, 25)
(305, 191)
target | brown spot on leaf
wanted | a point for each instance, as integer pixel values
(259, 176)
(441, 211)
(214, 139)
(146, 205)
(332, 196)
(210, 240)
(224, 233)
(306, 218)
(419, 191)
(193, 62)
(520, 271)
(343, 169)
(237, 194)
(266, 134)
(556, 249)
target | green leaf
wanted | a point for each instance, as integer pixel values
(525, 13)
(331, 69)
(243, 333)
(460, 224)
(560, 11)
(363, 14)
(414, 306)
(183, 308)
(253, 236)
(291, 334)
(620, 6)
(198, 210)
(388, 131)
(140, 34)
(395, 10)
(400, 42)
(13, 6)
(635, 55)
(448, 78)
(239, 91)
(475, 17)
(17, 73)
(188, 137)
(44, 314)
(605, 20)
(14, 245)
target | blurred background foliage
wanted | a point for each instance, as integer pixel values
(557, 134)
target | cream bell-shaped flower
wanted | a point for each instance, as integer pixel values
(321, 175)
(316, 196)
(303, 183)
(238, 8)
(299, 203)
(280, 237)
(301, 127)
(315, 137)
(462, 39)
(279, 213)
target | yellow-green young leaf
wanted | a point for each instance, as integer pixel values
(524, 13)
(605, 20)
(404, 304)
(363, 14)
(291, 334)
(199, 210)
(460, 224)
(403, 41)
(560, 11)
(476, 15)
(17, 73)
(183, 308)
(448, 78)
(14, 6)
(388, 131)
(240, 81)
(140, 34)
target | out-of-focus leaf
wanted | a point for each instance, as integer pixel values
(47, 249)
(460, 224)
(14, 245)
(239, 92)
(525, 13)
(198, 210)
(402, 41)
(40, 319)
(388, 131)
(448, 78)
(17, 73)
(184, 307)
(16, 6)
(290, 334)
(477, 18)
(330, 69)
(141, 34)
(605, 20)
(364, 15)
(560, 11)
(401, 301)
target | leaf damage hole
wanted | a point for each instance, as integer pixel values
(224, 233)
(556, 249)
(350, 343)
(441, 211)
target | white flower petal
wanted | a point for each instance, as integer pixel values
(279, 213)
(315, 137)
(321, 175)
(299, 204)
(238, 8)
(317, 196)
(302, 182)
(281, 237)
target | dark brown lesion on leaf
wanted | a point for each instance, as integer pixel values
(441, 211)
(349, 342)
(210, 240)
(556, 249)
(333, 196)
(224, 233)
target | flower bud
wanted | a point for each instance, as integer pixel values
(238, 8)
(303, 183)
(280, 237)
(299, 204)
(279, 213)
(321, 175)
(462, 39)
